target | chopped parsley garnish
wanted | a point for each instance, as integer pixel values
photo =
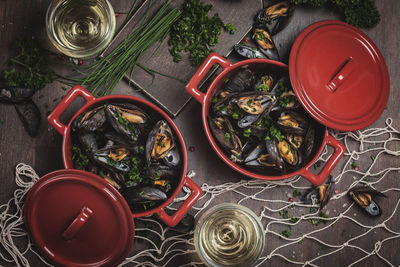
(276, 133)
(227, 136)
(284, 101)
(263, 87)
(137, 172)
(247, 132)
(235, 115)
(79, 157)
(285, 233)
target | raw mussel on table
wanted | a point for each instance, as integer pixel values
(259, 124)
(131, 148)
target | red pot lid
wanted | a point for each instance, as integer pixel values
(78, 219)
(339, 75)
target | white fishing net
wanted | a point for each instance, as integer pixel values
(291, 227)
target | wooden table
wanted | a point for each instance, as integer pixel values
(26, 17)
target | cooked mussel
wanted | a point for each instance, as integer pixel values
(90, 121)
(289, 154)
(320, 194)
(308, 142)
(255, 103)
(126, 119)
(248, 51)
(159, 142)
(158, 170)
(275, 16)
(113, 158)
(242, 80)
(363, 196)
(224, 133)
(143, 195)
(290, 122)
(265, 42)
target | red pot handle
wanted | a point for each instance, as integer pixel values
(212, 58)
(54, 117)
(327, 169)
(174, 219)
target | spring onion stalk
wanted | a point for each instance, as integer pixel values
(102, 76)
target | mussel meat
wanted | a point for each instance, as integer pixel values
(125, 119)
(363, 196)
(113, 158)
(291, 122)
(256, 103)
(265, 42)
(159, 142)
(289, 153)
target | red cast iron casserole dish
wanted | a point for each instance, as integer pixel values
(92, 102)
(322, 137)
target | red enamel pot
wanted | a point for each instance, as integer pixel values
(322, 137)
(92, 102)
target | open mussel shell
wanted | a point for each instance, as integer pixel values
(265, 43)
(275, 16)
(290, 154)
(272, 149)
(363, 196)
(320, 194)
(90, 121)
(225, 135)
(160, 142)
(113, 158)
(248, 51)
(126, 119)
(14, 95)
(29, 114)
(290, 121)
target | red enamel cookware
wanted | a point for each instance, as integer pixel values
(332, 64)
(322, 138)
(77, 218)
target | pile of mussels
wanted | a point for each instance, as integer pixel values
(131, 149)
(268, 22)
(258, 122)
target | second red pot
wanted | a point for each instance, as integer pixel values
(322, 137)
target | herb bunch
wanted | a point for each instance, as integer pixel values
(360, 13)
(195, 32)
(29, 68)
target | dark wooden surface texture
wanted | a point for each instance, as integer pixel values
(26, 17)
